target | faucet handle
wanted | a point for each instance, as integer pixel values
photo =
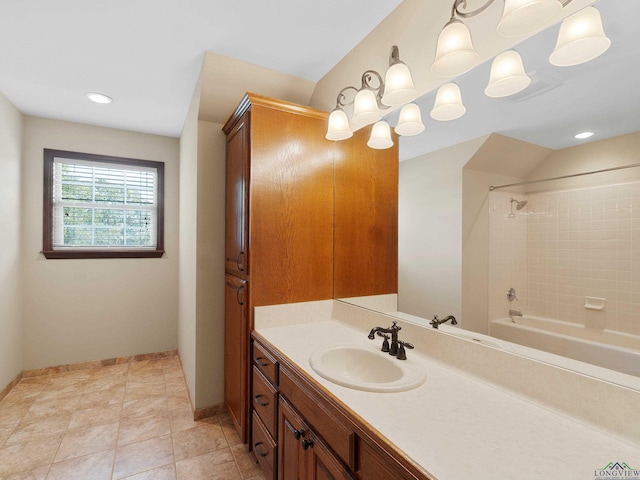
(385, 343)
(402, 354)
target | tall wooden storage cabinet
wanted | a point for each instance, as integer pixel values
(306, 219)
(279, 224)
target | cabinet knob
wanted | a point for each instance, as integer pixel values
(307, 444)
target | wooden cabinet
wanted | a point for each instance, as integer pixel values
(235, 333)
(306, 219)
(316, 437)
(237, 199)
(279, 222)
(302, 453)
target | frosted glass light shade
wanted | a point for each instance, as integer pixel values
(380, 136)
(398, 86)
(410, 121)
(581, 39)
(448, 105)
(365, 108)
(507, 75)
(454, 53)
(338, 126)
(522, 17)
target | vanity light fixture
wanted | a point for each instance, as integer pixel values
(454, 51)
(370, 100)
(98, 97)
(581, 39)
(448, 104)
(507, 75)
(410, 121)
(380, 136)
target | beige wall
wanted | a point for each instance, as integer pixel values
(598, 155)
(210, 265)
(80, 310)
(10, 241)
(430, 231)
(201, 277)
(188, 236)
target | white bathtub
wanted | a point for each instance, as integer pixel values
(605, 348)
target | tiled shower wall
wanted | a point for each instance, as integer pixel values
(579, 243)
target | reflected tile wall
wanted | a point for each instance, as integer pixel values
(582, 242)
(507, 253)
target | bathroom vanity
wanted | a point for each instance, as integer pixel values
(455, 425)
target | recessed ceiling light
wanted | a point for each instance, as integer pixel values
(583, 135)
(98, 97)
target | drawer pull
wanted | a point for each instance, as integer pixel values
(259, 451)
(262, 361)
(296, 433)
(262, 403)
(240, 261)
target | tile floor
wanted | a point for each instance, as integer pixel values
(128, 421)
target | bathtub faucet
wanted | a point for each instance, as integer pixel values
(514, 313)
(436, 321)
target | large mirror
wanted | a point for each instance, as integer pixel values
(570, 247)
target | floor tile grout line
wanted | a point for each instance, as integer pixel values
(115, 450)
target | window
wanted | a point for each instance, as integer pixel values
(97, 206)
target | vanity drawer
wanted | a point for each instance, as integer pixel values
(265, 363)
(264, 399)
(263, 447)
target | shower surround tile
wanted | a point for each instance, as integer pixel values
(577, 243)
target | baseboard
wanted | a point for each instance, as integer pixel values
(206, 412)
(98, 363)
(5, 391)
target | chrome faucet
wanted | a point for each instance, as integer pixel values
(436, 321)
(397, 347)
(515, 313)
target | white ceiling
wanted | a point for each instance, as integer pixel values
(147, 54)
(602, 95)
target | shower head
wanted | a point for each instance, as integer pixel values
(519, 204)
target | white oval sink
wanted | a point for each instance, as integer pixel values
(366, 369)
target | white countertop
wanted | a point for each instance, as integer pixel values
(457, 427)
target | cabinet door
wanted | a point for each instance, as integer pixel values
(237, 199)
(322, 463)
(291, 432)
(236, 356)
(302, 454)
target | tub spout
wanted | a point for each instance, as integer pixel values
(514, 313)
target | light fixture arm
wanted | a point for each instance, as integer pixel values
(394, 56)
(455, 10)
(367, 77)
(341, 99)
(458, 4)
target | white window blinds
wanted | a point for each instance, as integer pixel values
(104, 205)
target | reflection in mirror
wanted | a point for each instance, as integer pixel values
(572, 252)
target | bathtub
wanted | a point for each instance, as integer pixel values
(605, 348)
